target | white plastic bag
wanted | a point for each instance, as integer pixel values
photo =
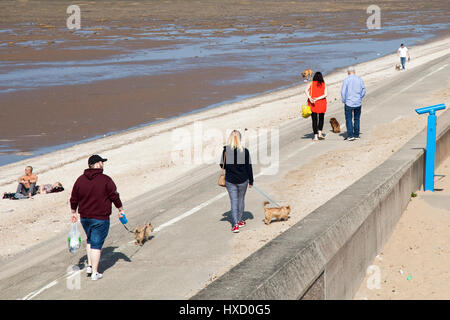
(74, 238)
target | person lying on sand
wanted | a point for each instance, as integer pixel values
(48, 188)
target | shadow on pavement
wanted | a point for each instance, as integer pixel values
(308, 136)
(108, 259)
(245, 216)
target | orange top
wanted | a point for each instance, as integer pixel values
(320, 106)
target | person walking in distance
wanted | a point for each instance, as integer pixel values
(92, 194)
(352, 93)
(403, 52)
(317, 100)
(238, 176)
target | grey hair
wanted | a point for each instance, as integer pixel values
(351, 69)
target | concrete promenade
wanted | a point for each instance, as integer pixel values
(324, 255)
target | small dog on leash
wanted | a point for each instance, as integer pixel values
(335, 125)
(307, 74)
(142, 233)
(278, 213)
(398, 67)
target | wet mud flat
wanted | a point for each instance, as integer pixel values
(134, 63)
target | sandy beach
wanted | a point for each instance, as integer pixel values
(413, 264)
(144, 157)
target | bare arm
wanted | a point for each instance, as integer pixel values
(74, 216)
(74, 202)
(33, 179)
(307, 90)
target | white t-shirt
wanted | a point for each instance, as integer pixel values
(403, 52)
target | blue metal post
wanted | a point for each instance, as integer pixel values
(430, 153)
(431, 144)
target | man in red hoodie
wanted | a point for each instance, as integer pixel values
(92, 194)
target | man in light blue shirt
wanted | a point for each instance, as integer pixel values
(352, 93)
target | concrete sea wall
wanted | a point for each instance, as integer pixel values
(325, 255)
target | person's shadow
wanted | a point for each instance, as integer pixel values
(245, 216)
(343, 134)
(108, 259)
(308, 136)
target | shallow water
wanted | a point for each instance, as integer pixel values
(275, 55)
(265, 57)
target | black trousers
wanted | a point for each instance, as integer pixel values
(317, 121)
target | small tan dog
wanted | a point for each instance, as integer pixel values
(335, 125)
(398, 67)
(141, 234)
(307, 74)
(278, 213)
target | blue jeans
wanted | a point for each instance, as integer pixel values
(96, 231)
(403, 61)
(237, 199)
(352, 126)
(22, 192)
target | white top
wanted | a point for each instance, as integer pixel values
(403, 52)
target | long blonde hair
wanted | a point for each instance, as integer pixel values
(234, 140)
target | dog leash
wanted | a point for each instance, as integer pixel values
(127, 228)
(266, 196)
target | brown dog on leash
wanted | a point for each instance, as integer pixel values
(278, 213)
(142, 233)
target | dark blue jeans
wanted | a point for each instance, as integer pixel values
(352, 116)
(237, 199)
(403, 61)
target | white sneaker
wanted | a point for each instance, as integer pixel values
(351, 139)
(89, 271)
(96, 276)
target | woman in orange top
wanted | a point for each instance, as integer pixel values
(317, 100)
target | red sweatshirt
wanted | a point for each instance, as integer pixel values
(93, 193)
